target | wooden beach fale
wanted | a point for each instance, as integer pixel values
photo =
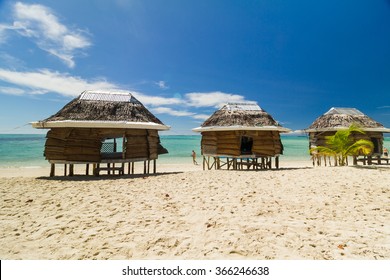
(337, 118)
(105, 130)
(241, 136)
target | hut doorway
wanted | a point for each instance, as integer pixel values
(112, 148)
(377, 148)
(246, 145)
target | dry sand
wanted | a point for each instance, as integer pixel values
(186, 213)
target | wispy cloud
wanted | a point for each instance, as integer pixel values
(201, 117)
(212, 99)
(41, 25)
(162, 85)
(172, 112)
(156, 100)
(384, 107)
(46, 81)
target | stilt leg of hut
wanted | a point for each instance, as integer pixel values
(154, 167)
(148, 166)
(369, 160)
(204, 162)
(87, 169)
(277, 162)
(145, 167)
(71, 169)
(218, 163)
(52, 170)
(132, 167)
(65, 169)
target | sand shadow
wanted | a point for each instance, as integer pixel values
(80, 178)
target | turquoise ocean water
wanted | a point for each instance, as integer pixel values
(26, 150)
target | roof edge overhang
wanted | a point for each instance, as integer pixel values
(240, 127)
(367, 129)
(99, 124)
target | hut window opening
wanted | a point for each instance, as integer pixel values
(112, 148)
(246, 145)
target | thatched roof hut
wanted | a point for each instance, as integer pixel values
(86, 130)
(241, 116)
(342, 118)
(241, 130)
(102, 109)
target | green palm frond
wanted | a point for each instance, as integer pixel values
(341, 145)
(362, 146)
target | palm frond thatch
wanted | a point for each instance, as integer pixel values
(240, 114)
(343, 118)
(103, 108)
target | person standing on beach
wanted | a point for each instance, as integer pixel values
(385, 152)
(194, 157)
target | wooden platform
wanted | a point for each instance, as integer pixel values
(111, 166)
(238, 162)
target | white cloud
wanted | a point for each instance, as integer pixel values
(12, 91)
(48, 81)
(42, 26)
(200, 117)
(172, 112)
(212, 99)
(44, 81)
(156, 100)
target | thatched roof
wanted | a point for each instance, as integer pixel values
(240, 116)
(342, 118)
(103, 109)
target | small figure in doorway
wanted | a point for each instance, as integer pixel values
(194, 157)
(385, 152)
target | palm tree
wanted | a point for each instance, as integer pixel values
(341, 145)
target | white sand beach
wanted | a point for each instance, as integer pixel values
(183, 212)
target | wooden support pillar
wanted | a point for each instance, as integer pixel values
(71, 169)
(204, 162)
(132, 168)
(154, 167)
(65, 169)
(277, 162)
(52, 170)
(87, 169)
(145, 167)
(148, 166)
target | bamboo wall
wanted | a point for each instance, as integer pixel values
(84, 144)
(319, 138)
(265, 143)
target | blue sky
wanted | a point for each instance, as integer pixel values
(184, 59)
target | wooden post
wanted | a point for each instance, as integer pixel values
(52, 170)
(87, 169)
(65, 169)
(71, 169)
(204, 162)
(132, 167)
(154, 166)
(277, 162)
(144, 166)
(148, 166)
